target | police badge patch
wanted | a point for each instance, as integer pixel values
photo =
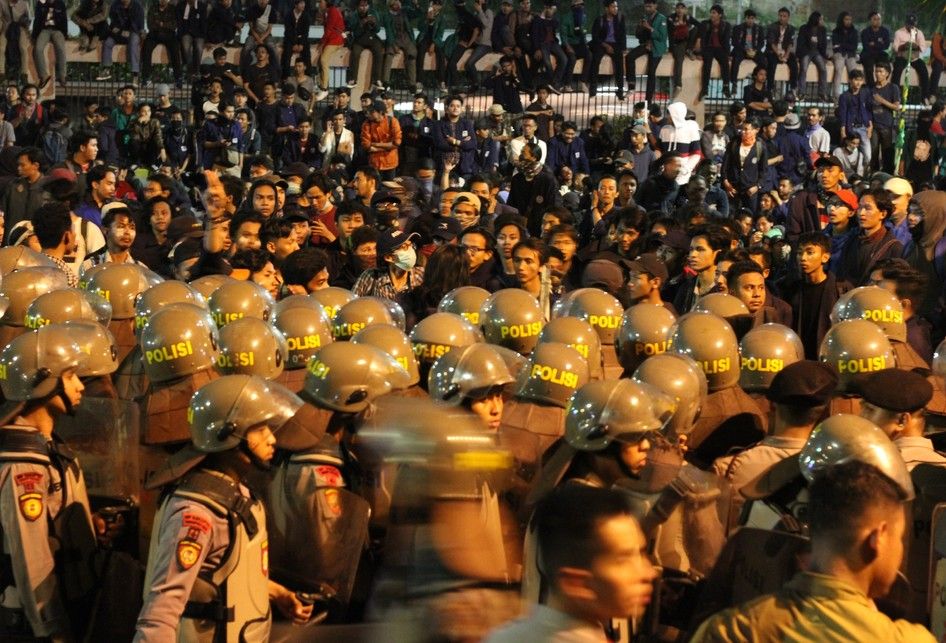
(188, 552)
(31, 505)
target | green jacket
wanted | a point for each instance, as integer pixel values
(659, 36)
(387, 22)
(566, 28)
(438, 25)
(357, 27)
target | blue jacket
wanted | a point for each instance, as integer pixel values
(573, 155)
(462, 130)
(856, 110)
(130, 18)
(875, 42)
(795, 151)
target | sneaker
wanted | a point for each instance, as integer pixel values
(148, 83)
(380, 85)
(322, 94)
(105, 74)
(443, 87)
(556, 90)
(352, 83)
(592, 92)
(620, 94)
(727, 91)
(44, 82)
(61, 82)
(583, 87)
(419, 88)
(134, 80)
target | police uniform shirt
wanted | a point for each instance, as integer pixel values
(744, 467)
(33, 497)
(548, 625)
(189, 540)
(811, 607)
(918, 450)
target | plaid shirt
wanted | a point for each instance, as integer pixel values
(377, 283)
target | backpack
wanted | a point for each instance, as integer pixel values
(54, 146)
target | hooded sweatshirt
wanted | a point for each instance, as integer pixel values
(682, 137)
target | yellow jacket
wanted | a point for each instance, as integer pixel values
(811, 607)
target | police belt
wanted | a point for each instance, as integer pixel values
(210, 611)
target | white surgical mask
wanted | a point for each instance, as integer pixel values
(405, 259)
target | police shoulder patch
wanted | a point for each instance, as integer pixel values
(31, 505)
(188, 553)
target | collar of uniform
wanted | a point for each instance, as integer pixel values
(560, 622)
(827, 587)
(784, 442)
(914, 441)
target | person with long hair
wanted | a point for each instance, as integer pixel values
(447, 268)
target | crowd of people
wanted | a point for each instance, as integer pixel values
(511, 378)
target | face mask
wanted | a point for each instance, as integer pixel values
(405, 259)
(427, 185)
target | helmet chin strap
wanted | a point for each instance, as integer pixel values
(255, 461)
(60, 391)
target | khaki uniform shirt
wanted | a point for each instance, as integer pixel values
(918, 451)
(811, 607)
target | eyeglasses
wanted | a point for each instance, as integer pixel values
(474, 250)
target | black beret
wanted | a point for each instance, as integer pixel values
(805, 383)
(894, 389)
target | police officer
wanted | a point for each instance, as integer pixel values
(535, 416)
(20, 288)
(332, 299)
(729, 418)
(604, 312)
(799, 394)
(362, 312)
(764, 351)
(438, 334)
(682, 379)
(854, 348)
(880, 307)
(120, 284)
(60, 306)
(251, 346)
(577, 334)
(306, 330)
(895, 400)
(644, 331)
(465, 301)
(473, 377)
(319, 518)
(778, 497)
(47, 527)
(393, 341)
(236, 299)
(208, 568)
(512, 318)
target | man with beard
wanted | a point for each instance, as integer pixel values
(120, 231)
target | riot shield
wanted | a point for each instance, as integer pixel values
(753, 562)
(929, 482)
(318, 529)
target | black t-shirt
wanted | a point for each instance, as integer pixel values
(752, 95)
(809, 315)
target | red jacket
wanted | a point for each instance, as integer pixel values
(334, 27)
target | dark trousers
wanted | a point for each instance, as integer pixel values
(441, 61)
(173, 46)
(868, 60)
(738, 55)
(563, 62)
(922, 74)
(617, 61)
(582, 53)
(774, 62)
(937, 67)
(883, 143)
(721, 56)
(286, 58)
(679, 51)
(651, 71)
(373, 45)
